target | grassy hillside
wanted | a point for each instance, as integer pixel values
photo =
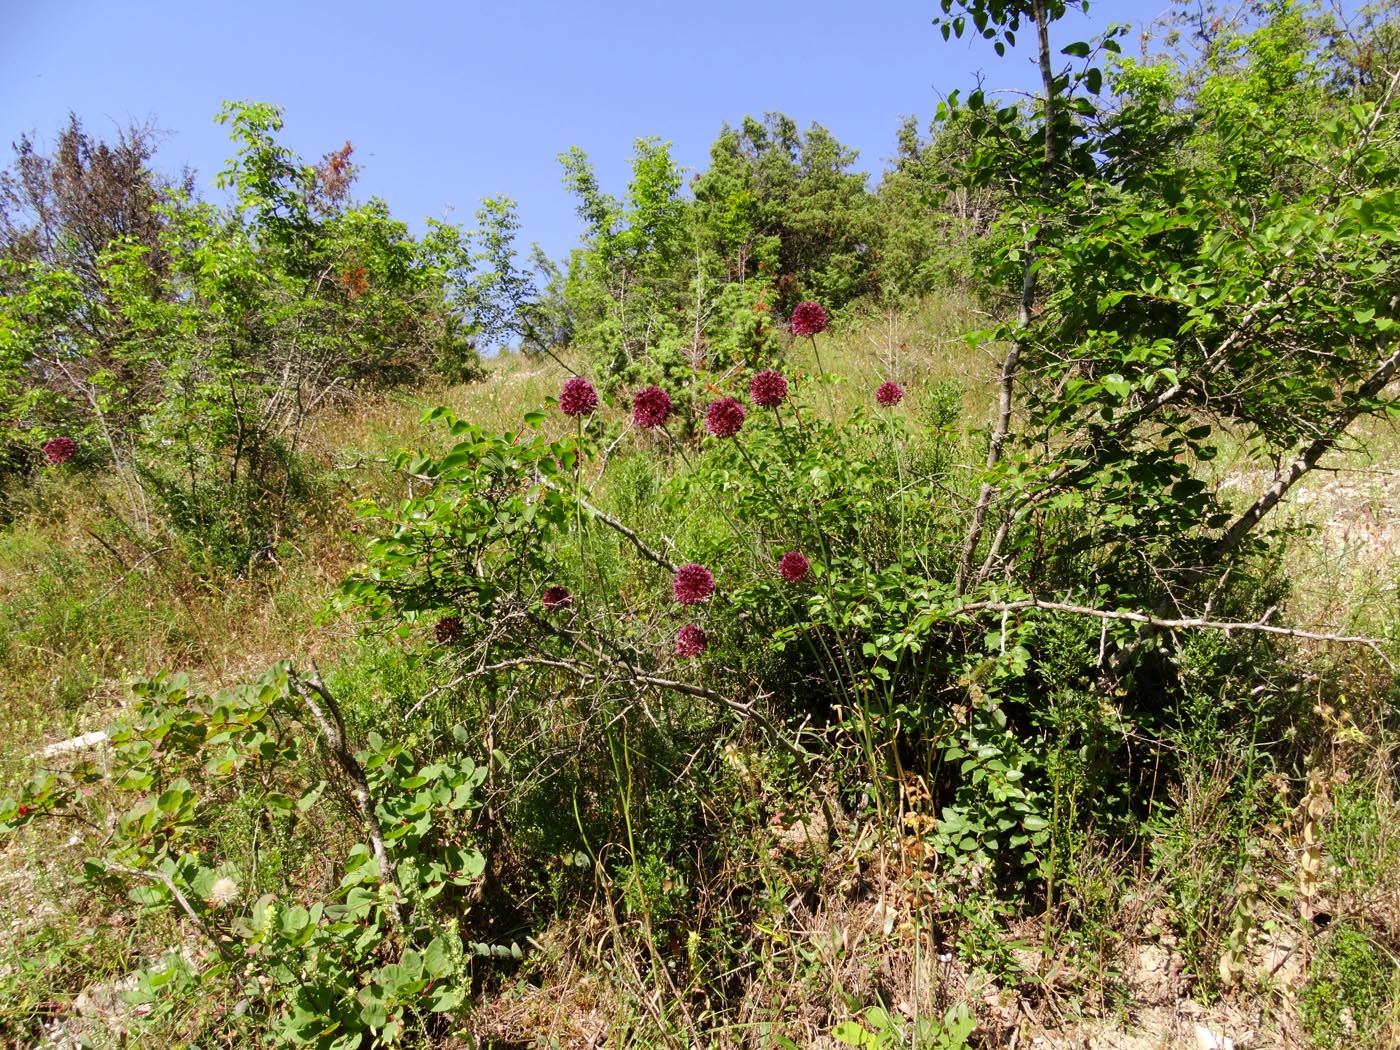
(766, 852)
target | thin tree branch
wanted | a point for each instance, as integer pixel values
(1156, 623)
(523, 661)
(749, 710)
(1011, 364)
(1231, 539)
(1320, 446)
(124, 576)
(180, 899)
(332, 727)
(617, 526)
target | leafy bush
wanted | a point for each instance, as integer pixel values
(213, 800)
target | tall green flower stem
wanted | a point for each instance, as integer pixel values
(709, 492)
(578, 475)
(797, 421)
(844, 676)
(896, 448)
(821, 378)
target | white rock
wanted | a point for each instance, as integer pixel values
(77, 743)
(1208, 1040)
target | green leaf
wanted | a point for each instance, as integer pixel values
(445, 998)
(852, 1033)
(372, 1010)
(1117, 385)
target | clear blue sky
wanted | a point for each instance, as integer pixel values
(447, 103)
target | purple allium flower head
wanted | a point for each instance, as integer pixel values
(59, 450)
(793, 566)
(651, 406)
(690, 642)
(724, 417)
(889, 395)
(448, 629)
(808, 319)
(578, 398)
(693, 584)
(768, 389)
(556, 597)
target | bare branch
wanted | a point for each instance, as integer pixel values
(180, 899)
(1163, 623)
(1321, 445)
(749, 710)
(1006, 394)
(332, 727)
(622, 530)
(126, 575)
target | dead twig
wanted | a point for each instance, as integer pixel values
(123, 578)
(326, 712)
(180, 899)
(621, 529)
(1161, 623)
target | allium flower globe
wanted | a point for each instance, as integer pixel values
(808, 319)
(693, 584)
(793, 566)
(448, 629)
(578, 398)
(724, 417)
(889, 395)
(651, 407)
(690, 642)
(59, 450)
(768, 389)
(556, 597)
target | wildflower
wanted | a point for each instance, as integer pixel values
(556, 597)
(724, 417)
(793, 566)
(808, 319)
(768, 389)
(691, 642)
(448, 629)
(578, 398)
(889, 395)
(650, 406)
(223, 893)
(693, 584)
(59, 450)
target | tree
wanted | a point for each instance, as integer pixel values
(931, 224)
(1218, 261)
(187, 343)
(627, 285)
(784, 204)
(65, 346)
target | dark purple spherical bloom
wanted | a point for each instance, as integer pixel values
(651, 406)
(693, 584)
(448, 629)
(556, 597)
(768, 389)
(59, 450)
(793, 566)
(808, 319)
(724, 417)
(578, 398)
(889, 395)
(690, 642)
